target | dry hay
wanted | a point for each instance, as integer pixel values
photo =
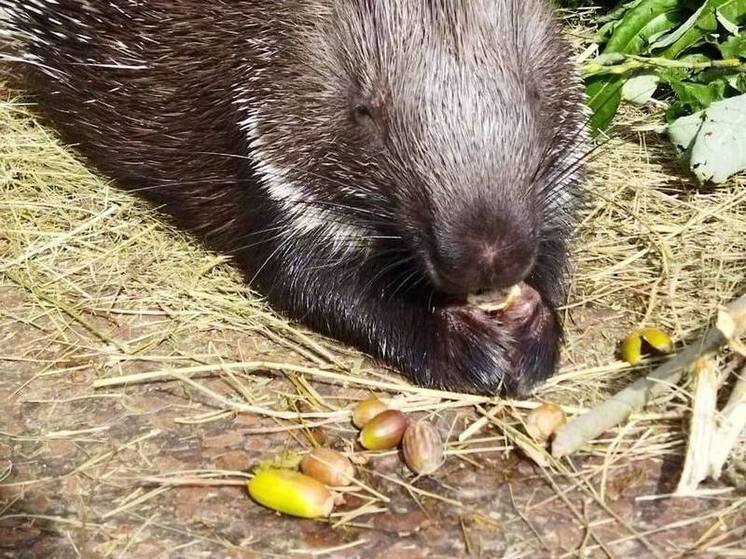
(105, 285)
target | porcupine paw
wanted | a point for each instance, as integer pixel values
(506, 352)
(537, 333)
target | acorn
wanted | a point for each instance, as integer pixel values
(542, 422)
(328, 466)
(496, 299)
(384, 431)
(657, 339)
(631, 348)
(291, 492)
(367, 410)
(423, 448)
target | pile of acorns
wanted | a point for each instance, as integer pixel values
(307, 494)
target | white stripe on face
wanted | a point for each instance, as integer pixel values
(306, 219)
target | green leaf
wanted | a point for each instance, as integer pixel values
(645, 20)
(604, 95)
(669, 75)
(727, 24)
(737, 82)
(734, 47)
(642, 20)
(640, 89)
(725, 75)
(701, 76)
(733, 10)
(679, 32)
(698, 96)
(612, 20)
(619, 12)
(713, 140)
(707, 23)
(675, 111)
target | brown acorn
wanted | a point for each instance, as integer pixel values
(423, 448)
(367, 410)
(384, 431)
(542, 422)
(328, 466)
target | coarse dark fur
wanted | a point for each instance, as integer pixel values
(367, 163)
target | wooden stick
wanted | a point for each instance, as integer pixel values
(702, 426)
(732, 423)
(634, 397)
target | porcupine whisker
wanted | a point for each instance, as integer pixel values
(553, 176)
(385, 269)
(319, 204)
(280, 248)
(584, 128)
(414, 273)
(581, 130)
(563, 173)
(206, 180)
(288, 172)
(282, 229)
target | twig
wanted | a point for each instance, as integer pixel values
(634, 397)
(329, 550)
(633, 62)
(459, 399)
(169, 374)
(190, 481)
(479, 424)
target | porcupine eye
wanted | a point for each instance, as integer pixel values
(367, 116)
(362, 114)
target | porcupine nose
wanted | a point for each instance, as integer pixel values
(484, 253)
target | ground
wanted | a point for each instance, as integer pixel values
(94, 285)
(90, 472)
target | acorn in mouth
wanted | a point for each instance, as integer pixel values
(496, 300)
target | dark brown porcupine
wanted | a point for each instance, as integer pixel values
(367, 163)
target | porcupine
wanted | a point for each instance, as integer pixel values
(367, 164)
